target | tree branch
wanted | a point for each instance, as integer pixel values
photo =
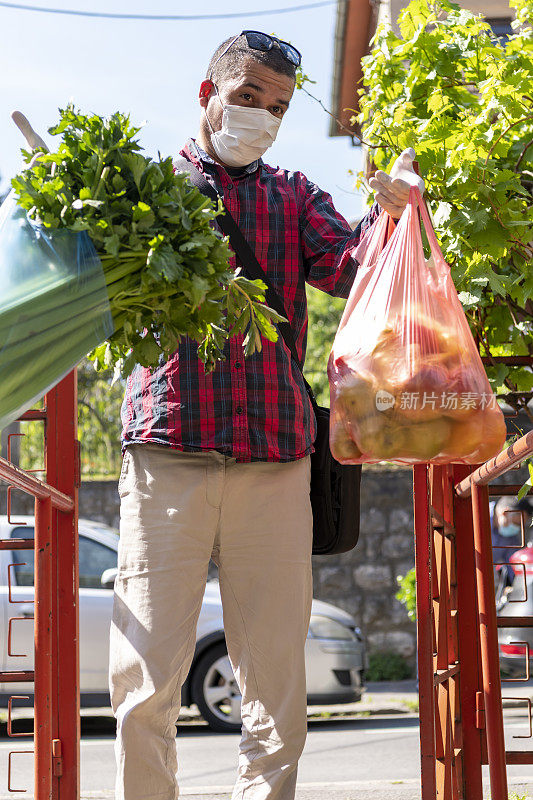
(522, 154)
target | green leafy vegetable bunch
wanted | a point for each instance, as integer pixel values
(167, 269)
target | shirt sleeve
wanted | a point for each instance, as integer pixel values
(328, 242)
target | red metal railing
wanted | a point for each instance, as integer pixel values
(461, 715)
(55, 673)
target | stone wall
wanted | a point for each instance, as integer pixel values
(363, 581)
(99, 500)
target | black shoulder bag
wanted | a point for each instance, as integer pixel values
(335, 488)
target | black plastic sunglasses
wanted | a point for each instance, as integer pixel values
(264, 41)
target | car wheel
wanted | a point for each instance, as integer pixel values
(215, 691)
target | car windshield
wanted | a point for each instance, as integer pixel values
(94, 558)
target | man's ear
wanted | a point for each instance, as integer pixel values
(206, 87)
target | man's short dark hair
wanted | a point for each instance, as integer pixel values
(238, 51)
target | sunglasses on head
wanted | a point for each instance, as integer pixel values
(265, 42)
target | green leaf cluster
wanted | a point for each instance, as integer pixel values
(447, 86)
(167, 269)
(99, 426)
(406, 594)
(387, 665)
(324, 316)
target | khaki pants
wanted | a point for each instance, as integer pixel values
(177, 511)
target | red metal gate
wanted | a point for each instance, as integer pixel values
(55, 675)
(461, 717)
(461, 721)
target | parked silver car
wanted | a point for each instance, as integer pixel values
(335, 650)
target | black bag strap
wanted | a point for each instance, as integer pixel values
(240, 246)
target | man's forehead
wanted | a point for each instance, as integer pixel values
(250, 72)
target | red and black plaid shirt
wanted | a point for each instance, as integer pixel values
(254, 409)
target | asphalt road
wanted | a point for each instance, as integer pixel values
(344, 759)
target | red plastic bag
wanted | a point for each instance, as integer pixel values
(406, 380)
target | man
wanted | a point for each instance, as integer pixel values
(510, 516)
(219, 465)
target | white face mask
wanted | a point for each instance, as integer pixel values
(245, 135)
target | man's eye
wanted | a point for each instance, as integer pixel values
(277, 110)
(246, 96)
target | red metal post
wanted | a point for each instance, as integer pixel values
(489, 642)
(500, 464)
(468, 642)
(63, 472)
(43, 649)
(28, 483)
(424, 622)
(57, 707)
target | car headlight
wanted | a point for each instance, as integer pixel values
(327, 628)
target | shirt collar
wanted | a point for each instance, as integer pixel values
(197, 154)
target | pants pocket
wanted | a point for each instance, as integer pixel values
(123, 469)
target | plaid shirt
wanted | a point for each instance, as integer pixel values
(254, 409)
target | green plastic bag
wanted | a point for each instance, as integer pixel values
(54, 307)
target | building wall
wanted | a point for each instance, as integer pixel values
(498, 9)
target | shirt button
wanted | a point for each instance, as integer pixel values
(239, 410)
(229, 186)
(237, 365)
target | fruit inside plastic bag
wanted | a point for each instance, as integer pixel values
(406, 380)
